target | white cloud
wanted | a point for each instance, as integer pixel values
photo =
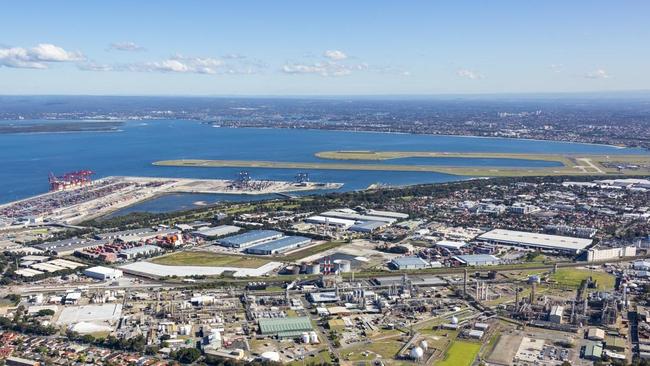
(326, 68)
(93, 66)
(469, 74)
(126, 46)
(182, 64)
(335, 55)
(598, 74)
(556, 68)
(37, 57)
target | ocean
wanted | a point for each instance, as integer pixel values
(28, 158)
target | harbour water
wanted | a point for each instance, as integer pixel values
(28, 158)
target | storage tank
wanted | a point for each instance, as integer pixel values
(314, 268)
(454, 320)
(417, 353)
(305, 337)
(343, 265)
(313, 337)
(271, 356)
(424, 345)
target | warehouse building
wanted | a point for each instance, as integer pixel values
(250, 238)
(477, 260)
(291, 327)
(450, 245)
(557, 243)
(279, 245)
(392, 214)
(594, 254)
(330, 221)
(367, 226)
(141, 251)
(412, 262)
(216, 232)
(103, 273)
(348, 214)
(125, 234)
(69, 246)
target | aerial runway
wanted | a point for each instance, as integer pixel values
(571, 164)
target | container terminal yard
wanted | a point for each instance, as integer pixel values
(74, 197)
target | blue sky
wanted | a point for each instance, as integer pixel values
(305, 47)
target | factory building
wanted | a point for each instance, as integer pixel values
(330, 221)
(69, 246)
(451, 245)
(141, 251)
(348, 214)
(392, 214)
(279, 245)
(412, 262)
(125, 234)
(555, 316)
(477, 260)
(216, 232)
(594, 254)
(291, 327)
(557, 243)
(250, 238)
(103, 273)
(17, 361)
(367, 226)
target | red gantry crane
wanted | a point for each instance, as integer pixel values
(70, 180)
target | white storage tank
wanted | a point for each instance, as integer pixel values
(417, 353)
(343, 265)
(313, 337)
(305, 337)
(314, 268)
(424, 345)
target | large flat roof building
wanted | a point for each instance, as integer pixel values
(412, 262)
(279, 245)
(250, 238)
(103, 273)
(524, 239)
(69, 246)
(348, 214)
(285, 327)
(215, 232)
(477, 260)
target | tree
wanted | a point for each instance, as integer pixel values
(187, 355)
(45, 312)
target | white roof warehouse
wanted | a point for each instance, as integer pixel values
(558, 243)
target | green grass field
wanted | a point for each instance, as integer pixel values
(573, 277)
(387, 349)
(209, 259)
(460, 354)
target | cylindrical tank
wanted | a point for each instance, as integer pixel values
(271, 356)
(424, 345)
(305, 337)
(314, 268)
(343, 265)
(454, 320)
(313, 337)
(417, 353)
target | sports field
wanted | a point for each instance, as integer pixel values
(208, 259)
(460, 354)
(574, 276)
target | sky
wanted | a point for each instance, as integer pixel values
(334, 47)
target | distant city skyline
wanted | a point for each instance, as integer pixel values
(335, 48)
